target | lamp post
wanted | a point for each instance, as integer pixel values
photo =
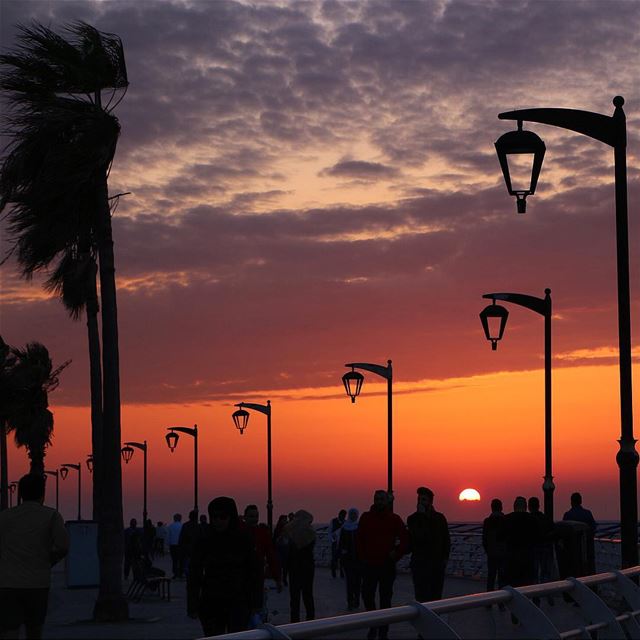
(55, 473)
(172, 442)
(494, 334)
(127, 453)
(241, 420)
(353, 381)
(611, 130)
(12, 489)
(64, 471)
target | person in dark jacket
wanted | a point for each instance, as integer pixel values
(302, 539)
(430, 545)
(494, 546)
(281, 543)
(382, 540)
(519, 533)
(223, 573)
(578, 513)
(132, 546)
(349, 558)
(189, 535)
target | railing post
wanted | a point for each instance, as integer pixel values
(430, 625)
(534, 622)
(595, 610)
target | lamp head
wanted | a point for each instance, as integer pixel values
(494, 320)
(352, 381)
(64, 472)
(240, 419)
(127, 453)
(172, 440)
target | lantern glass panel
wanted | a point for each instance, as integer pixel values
(520, 171)
(495, 325)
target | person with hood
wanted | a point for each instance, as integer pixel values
(302, 539)
(382, 540)
(349, 558)
(223, 573)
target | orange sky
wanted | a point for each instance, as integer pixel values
(484, 432)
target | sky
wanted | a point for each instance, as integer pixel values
(315, 183)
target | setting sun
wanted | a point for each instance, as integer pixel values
(469, 494)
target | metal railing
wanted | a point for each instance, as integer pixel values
(427, 620)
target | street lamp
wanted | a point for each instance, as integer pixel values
(353, 381)
(241, 420)
(543, 307)
(57, 476)
(611, 130)
(12, 489)
(172, 442)
(90, 463)
(64, 471)
(127, 453)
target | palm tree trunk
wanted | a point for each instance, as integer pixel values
(36, 455)
(111, 604)
(95, 376)
(4, 472)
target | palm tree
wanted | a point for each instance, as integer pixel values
(30, 377)
(55, 181)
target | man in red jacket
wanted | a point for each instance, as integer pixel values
(382, 540)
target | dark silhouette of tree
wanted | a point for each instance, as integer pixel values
(28, 377)
(53, 185)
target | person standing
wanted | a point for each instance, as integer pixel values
(223, 573)
(189, 535)
(430, 546)
(519, 533)
(334, 533)
(349, 558)
(161, 536)
(173, 539)
(382, 540)
(33, 539)
(578, 513)
(281, 543)
(302, 539)
(132, 546)
(494, 546)
(148, 539)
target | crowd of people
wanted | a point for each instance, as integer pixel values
(225, 557)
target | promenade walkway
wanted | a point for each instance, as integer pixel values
(70, 611)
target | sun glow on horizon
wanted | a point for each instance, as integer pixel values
(470, 495)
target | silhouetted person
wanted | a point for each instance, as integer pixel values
(519, 534)
(430, 545)
(494, 545)
(302, 538)
(33, 538)
(161, 536)
(578, 513)
(382, 541)
(132, 546)
(543, 557)
(347, 547)
(281, 543)
(173, 539)
(204, 525)
(334, 534)
(189, 535)
(223, 573)
(265, 550)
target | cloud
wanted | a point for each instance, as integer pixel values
(360, 170)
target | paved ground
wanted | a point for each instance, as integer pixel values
(70, 611)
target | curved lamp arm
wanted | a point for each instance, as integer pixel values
(138, 445)
(188, 430)
(539, 305)
(52, 473)
(72, 466)
(262, 408)
(608, 129)
(384, 372)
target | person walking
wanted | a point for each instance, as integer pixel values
(223, 573)
(494, 545)
(266, 552)
(334, 533)
(189, 535)
(382, 540)
(430, 545)
(173, 540)
(33, 539)
(302, 539)
(347, 548)
(578, 513)
(132, 546)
